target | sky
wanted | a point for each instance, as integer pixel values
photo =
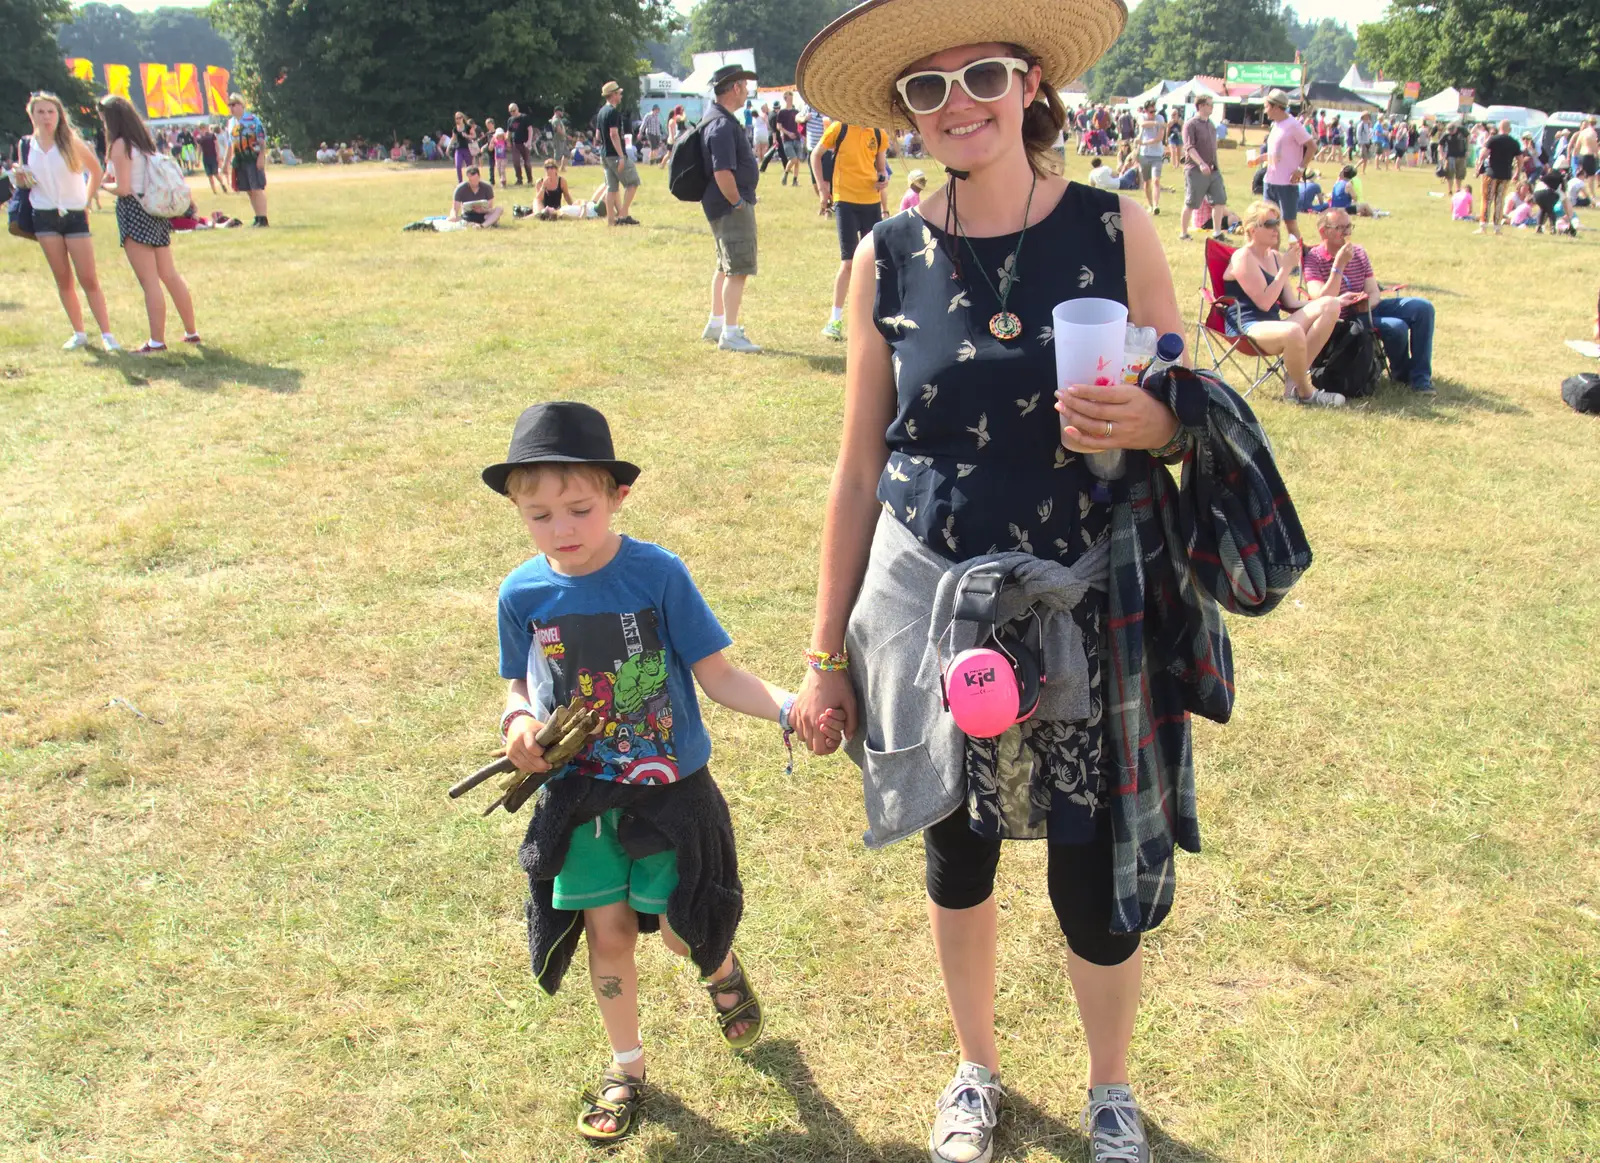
(1352, 12)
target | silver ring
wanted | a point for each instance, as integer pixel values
(1108, 430)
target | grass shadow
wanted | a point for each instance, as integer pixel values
(1399, 400)
(203, 369)
(1428, 289)
(10, 306)
(830, 364)
(824, 1134)
(1024, 1128)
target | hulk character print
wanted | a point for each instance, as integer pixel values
(616, 664)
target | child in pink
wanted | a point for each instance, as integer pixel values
(1461, 204)
(913, 197)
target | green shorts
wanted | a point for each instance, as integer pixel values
(598, 871)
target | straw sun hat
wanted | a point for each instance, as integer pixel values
(849, 68)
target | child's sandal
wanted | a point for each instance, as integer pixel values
(621, 1110)
(747, 1009)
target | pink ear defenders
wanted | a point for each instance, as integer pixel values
(995, 684)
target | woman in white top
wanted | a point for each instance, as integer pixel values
(1152, 152)
(64, 174)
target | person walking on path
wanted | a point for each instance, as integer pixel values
(789, 139)
(247, 157)
(1202, 180)
(1152, 151)
(950, 445)
(561, 137)
(855, 191)
(1499, 166)
(206, 140)
(146, 239)
(1287, 143)
(622, 176)
(62, 175)
(730, 207)
(519, 132)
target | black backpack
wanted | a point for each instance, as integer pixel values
(1582, 392)
(1348, 364)
(689, 171)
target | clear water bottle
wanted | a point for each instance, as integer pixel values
(1169, 352)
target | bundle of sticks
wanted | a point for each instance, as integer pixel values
(563, 737)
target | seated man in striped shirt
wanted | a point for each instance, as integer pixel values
(1404, 322)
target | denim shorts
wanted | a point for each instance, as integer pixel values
(1287, 197)
(64, 223)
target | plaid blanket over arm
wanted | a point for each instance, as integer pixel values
(1227, 535)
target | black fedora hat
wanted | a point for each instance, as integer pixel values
(563, 432)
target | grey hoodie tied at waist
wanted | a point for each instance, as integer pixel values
(909, 749)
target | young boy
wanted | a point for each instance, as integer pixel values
(633, 827)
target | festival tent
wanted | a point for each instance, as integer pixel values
(1185, 93)
(1565, 119)
(1327, 95)
(1379, 92)
(1156, 92)
(1523, 119)
(1446, 106)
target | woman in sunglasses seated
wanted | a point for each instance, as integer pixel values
(1266, 308)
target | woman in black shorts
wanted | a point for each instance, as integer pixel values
(146, 239)
(64, 175)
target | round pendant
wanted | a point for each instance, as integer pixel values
(1005, 325)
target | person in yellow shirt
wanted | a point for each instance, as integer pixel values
(855, 187)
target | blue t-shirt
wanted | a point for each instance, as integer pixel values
(1341, 198)
(624, 639)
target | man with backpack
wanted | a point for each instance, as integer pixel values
(729, 203)
(247, 156)
(851, 161)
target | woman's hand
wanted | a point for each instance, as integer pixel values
(824, 712)
(1099, 417)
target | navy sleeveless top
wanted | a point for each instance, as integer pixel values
(976, 463)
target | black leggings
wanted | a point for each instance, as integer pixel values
(960, 872)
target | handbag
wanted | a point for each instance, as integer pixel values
(19, 211)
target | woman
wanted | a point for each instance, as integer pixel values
(1259, 282)
(1175, 136)
(949, 378)
(465, 139)
(146, 239)
(675, 126)
(552, 191)
(65, 176)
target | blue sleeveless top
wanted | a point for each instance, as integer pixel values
(976, 463)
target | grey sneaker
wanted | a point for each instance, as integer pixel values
(965, 1117)
(713, 332)
(1318, 398)
(1111, 1120)
(733, 339)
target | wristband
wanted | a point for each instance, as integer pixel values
(784, 712)
(507, 718)
(1179, 441)
(822, 660)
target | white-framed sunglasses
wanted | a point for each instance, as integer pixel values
(989, 79)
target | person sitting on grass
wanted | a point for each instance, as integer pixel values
(551, 191)
(632, 832)
(1259, 280)
(1101, 175)
(1346, 195)
(474, 202)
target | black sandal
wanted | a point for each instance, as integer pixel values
(621, 1110)
(746, 1009)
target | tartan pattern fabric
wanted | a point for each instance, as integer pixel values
(1227, 537)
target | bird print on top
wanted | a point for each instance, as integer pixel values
(1029, 404)
(930, 248)
(957, 301)
(929, 392)
(982, 429)
(1047, 336)
(895, 472)
(1008, 274)
(1085, 277)
(900, 322)
(966, 351)
(1112, 221)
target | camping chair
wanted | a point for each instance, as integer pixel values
(1211, 332)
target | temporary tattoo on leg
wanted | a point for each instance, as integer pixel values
(609, 986)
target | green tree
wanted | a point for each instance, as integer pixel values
(1126, 69)
(778, 30)
(669, 56)
(1198, 36)
(32, 60)
(1544, 53)
(1329, 51)
(376, 68)
(111, 33)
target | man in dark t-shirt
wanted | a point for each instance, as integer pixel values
(1500, 153)
(467, 205)
(207, 141)
(622, 176)
(730, 206)
(519, 129)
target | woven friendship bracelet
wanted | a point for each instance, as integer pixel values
(822, 660)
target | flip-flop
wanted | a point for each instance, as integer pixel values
(747, 1008)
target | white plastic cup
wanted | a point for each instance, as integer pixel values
(1090, 337)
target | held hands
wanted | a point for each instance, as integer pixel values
(824, 713)
(1097, 417)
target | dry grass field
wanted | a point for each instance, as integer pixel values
(244, 923)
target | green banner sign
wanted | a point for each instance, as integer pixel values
(1284, 76)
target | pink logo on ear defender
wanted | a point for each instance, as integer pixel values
(982, 691)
